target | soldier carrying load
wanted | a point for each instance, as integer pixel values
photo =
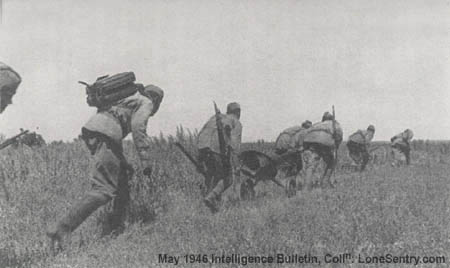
(290, 144)
(320, 141)
(358, 146)
(401, 147)
(123, 107)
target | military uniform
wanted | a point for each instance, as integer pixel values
(401, 148)
(357, 145)
(219, 177)
(319, 143)
(103, 135)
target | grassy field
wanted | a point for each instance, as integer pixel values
(384, 210)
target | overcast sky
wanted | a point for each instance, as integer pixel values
(379, 62)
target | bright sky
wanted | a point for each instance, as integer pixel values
(383, 62)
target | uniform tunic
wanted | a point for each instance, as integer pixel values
(108, 128)
(208, 137)
(357, 146)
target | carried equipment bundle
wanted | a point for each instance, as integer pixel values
(107, 90)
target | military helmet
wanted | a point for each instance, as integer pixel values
(233, 106)
(371, 128)
(327, 116)
(307, 124)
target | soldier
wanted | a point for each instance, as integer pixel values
(9, 82)
(319, 142)
(290, 142)
(219, 177)
(103, 135)
(358, 146)
(401, 147)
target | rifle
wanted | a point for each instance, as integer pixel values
(10, 141)
(225, 153)
(336, 145)
(189, 156)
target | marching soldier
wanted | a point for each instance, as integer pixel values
(401, 147)
(290, 142)
(319, 142)
(9, 82)
(358, 146)
(219, 176)
(103, 135)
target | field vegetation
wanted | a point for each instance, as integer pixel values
(384, 210)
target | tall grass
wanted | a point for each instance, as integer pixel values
(384, 210)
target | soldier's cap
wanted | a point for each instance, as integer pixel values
(307, 124)
(233, 106)
(152, 92)
(327, 116)
(371, 128)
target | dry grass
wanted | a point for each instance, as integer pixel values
(384, 210)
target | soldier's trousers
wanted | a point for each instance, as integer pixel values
(218, 177)
(313, 153)
(109, 176)
(401, 153)
(358, 153)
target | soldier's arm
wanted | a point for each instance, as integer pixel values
(139, 131)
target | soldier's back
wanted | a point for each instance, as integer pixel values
(208, 136)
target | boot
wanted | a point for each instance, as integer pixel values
(73, 219)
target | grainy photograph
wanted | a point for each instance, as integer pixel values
(224, 133)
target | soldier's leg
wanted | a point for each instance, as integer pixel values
(393, 156)
(75, 216)
(208, 168)
(121, 202)
(330, 162)
(365, 159)
(222, 181)
(298, 170)
(407, 152)
(353, 153)
(311, 159)
(104, 187)
(398, 156)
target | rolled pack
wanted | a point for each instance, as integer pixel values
(322, 133)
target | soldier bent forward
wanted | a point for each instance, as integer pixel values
(290, 143)
(358, 144)
(103, 135)
(320, 141)
(401, 147)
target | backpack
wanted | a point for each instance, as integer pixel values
(107, 90)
